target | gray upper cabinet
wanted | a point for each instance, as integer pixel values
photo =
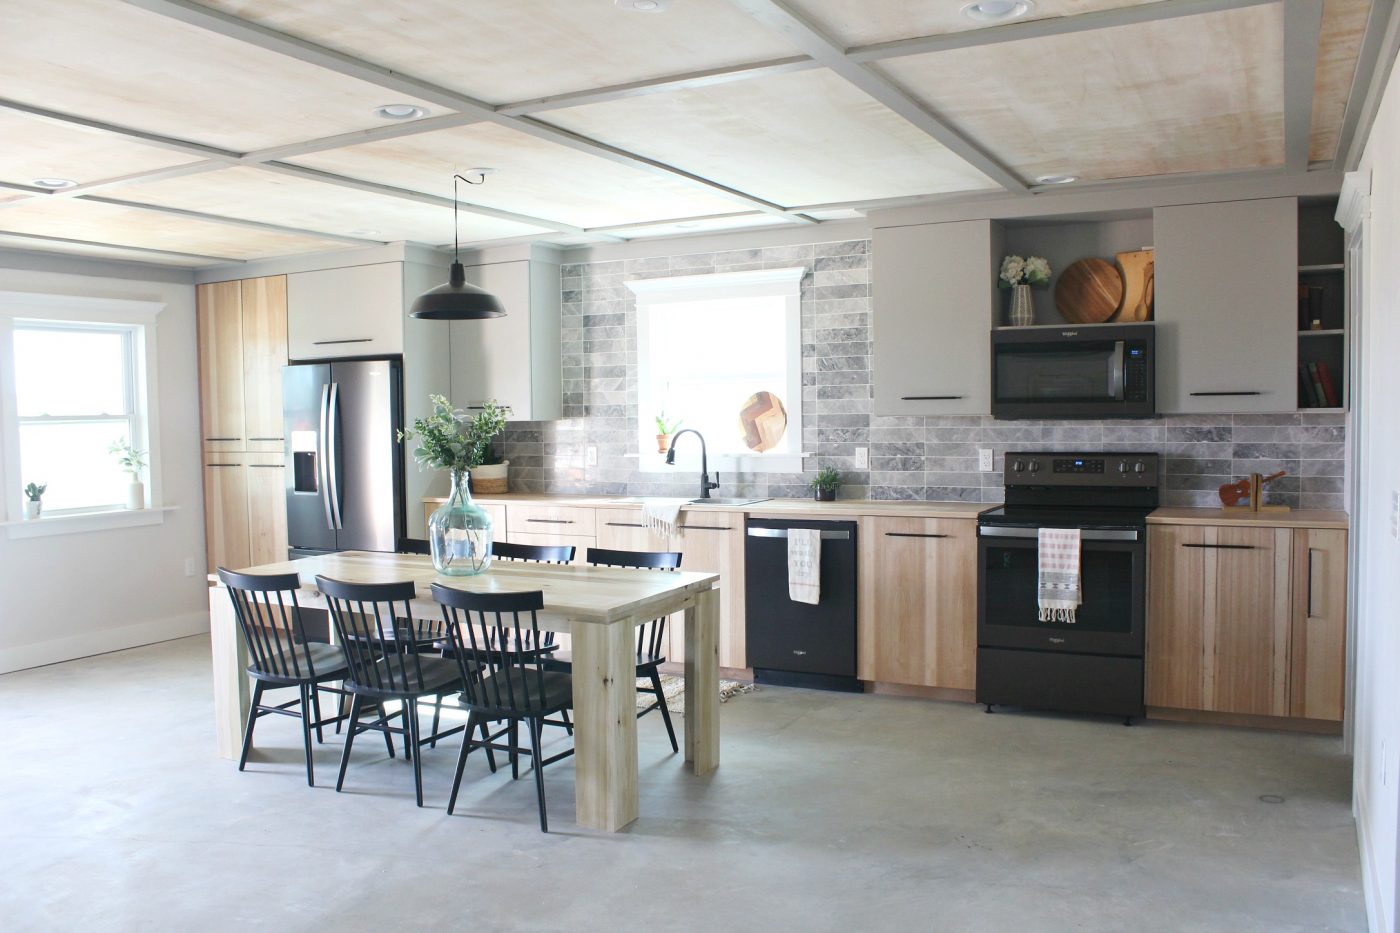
(354, 311)
(1226, 300)
(515, 359)
(934, 288)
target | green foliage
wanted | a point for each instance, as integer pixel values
(132, 460)
(35, 491)
(449, 439)
(827, 478)
(666, 424)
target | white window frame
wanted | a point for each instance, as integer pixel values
(652, 295)
(139, 319)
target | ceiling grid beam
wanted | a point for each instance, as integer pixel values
(231, 27)
(781, 17)
(1302, 31)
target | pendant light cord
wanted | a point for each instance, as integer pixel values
(456, 178)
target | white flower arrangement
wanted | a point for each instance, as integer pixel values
(1032, 270)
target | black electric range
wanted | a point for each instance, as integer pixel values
(1095, 663)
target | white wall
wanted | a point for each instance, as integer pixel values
(68, 596)
(1377, 703)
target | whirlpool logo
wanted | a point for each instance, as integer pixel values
(1057, 641)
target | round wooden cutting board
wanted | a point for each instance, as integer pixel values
(763, 419)
(1089, 291)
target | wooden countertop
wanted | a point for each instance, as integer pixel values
(1298, 518)
(779, 508)
(789, 508)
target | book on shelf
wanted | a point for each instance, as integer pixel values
(1305, 396)
(1330, 395)
(1304, 296)
(1317, 300)
(1319, 395)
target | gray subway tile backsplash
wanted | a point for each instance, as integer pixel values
(911, 458)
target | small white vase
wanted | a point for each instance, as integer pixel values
(1022, 306)
(32, 508)
(136, 495)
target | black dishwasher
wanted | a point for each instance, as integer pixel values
(798, 644)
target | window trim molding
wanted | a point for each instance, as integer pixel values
(81, 309)
(786, 283)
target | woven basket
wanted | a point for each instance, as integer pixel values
(495, 481)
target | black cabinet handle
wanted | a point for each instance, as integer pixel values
(327, 343)
(264, 438)
(223, 464)
(267, 466)
(625, 524)
(910, 534)
(704, 527)
(225, 438)
(1225, 547)
(1227, 393)
(928, 398)
(551, 521)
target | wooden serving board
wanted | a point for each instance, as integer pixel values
(763, 421)
(1089, 291)
(1137, 278)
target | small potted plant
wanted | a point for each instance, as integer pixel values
(825, 485)
(133, 461)
(34, 499)
(665, 427)
(1019, 274)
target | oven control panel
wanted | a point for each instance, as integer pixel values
(1053, 468)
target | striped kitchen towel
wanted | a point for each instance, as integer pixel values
(1058, 594)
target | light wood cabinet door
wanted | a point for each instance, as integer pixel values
(580, 543)
(934, 295)
(1226, 300)
(918, 602)
(493, 509)
(219, 310)
(226, 512)
(1219, 619)
(713, 542)
(264, 303)
(622, 530)
(353, 311)
(267, 508)
(1318, 662)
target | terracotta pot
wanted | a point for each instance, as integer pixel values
(663, 443)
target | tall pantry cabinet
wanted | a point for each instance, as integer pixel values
(242, 349)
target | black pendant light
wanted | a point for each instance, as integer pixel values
(457, 301)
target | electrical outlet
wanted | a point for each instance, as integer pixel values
(191, 567)
(862, 458)
(590, 458)
(984, 459)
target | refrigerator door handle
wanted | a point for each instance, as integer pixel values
(332, 447)
(323, 455)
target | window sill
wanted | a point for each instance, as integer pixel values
(81, 522)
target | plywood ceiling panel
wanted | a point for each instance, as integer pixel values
(255, 194)
(794, 139)
(523, 49)
(872, 21)
(1196, 94)
(1343, 26)
(533, 177)
(77, 219)
(37, 148)
(709, 225)
(119, 64)
(101, 251)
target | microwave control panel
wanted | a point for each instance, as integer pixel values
(1135, 372)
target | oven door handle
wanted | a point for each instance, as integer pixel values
(1115, 376)
(1103, 534)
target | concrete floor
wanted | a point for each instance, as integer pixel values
(829, 812)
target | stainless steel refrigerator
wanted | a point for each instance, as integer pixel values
(344, 459)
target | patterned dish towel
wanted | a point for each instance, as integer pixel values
(663, 516)
(1058, 594)
(804, 565)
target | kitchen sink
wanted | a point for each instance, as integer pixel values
(713, 500)
(721, 500)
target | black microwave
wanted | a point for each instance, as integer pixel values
(1068, 371)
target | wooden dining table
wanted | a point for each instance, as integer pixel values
(599, 607)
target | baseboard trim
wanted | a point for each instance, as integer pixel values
(1279, 723)
(1376, 918)
(926, 693)
(103, 641)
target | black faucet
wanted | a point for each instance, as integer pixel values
(705, 484)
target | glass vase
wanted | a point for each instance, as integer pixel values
(459, 532)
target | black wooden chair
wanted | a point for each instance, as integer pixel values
(651, 636)
(269, 619)
(384, 663)
(503, 679)
(534, 553)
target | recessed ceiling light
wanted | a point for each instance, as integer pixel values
(688, 225)
(363, 232)
(644, 6)
(1055, 179)
(400, 112)
(996, 11)
(53, 184)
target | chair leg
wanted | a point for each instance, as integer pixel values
(340, 709)
(355, 705)
(472, 721)
(535, 726)
(665, 711)
(316, 708)
(308, 693)
(248, 729)
(410, 722)
(568, 726)
(486, 741)
(437, 717)
(384, 721)
(513, 737)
